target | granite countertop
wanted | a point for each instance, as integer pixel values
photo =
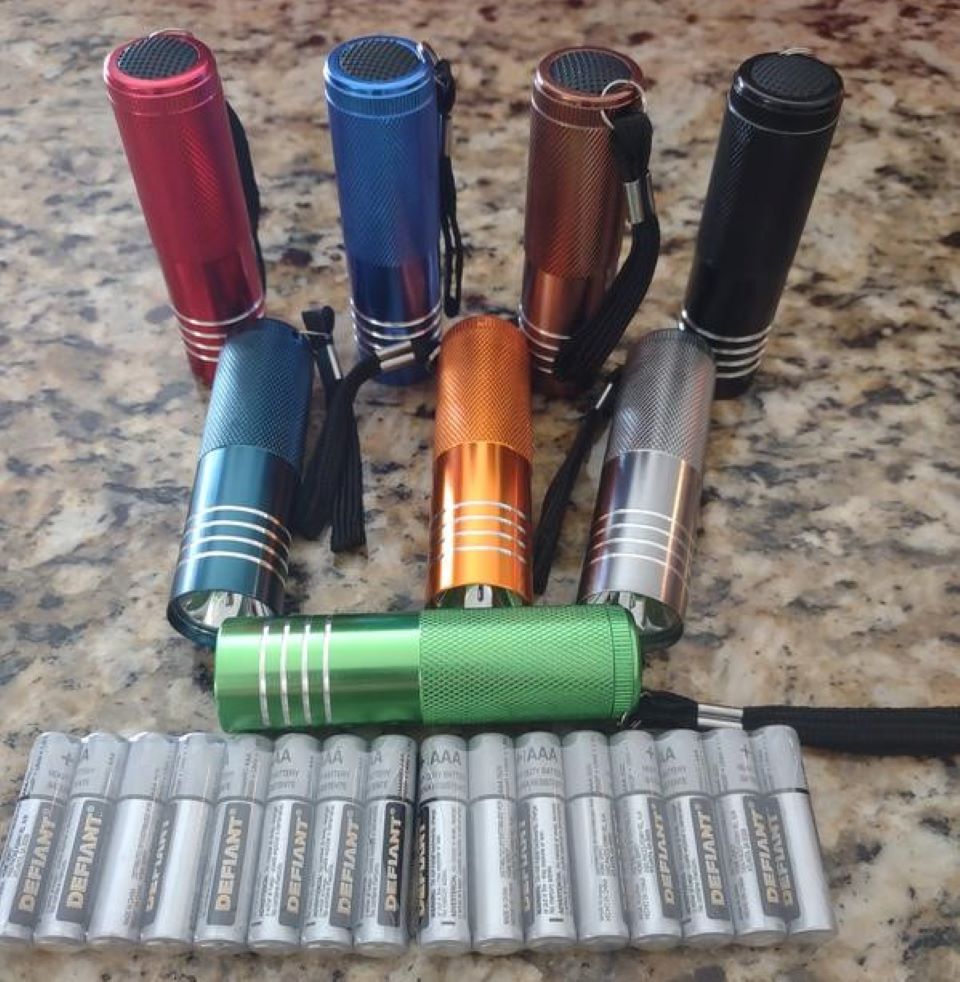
(829, 561)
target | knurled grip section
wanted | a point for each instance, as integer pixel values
(664, 398)
(781, 115)
(261, 392)
(483, 387)
(527, 663)
(575, 203)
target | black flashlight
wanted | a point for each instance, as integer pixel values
(781, 113)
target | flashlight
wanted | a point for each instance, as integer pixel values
(781, 113)
(483, 448)
(577, 200)
(388, 130)
(233, 554)
(645, 522)
(195, 183)
(449, 666)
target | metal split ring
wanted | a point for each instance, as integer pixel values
(630, 83)
(426, 53)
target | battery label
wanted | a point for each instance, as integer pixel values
(782, 861)
(231, 849)
(663, 859)
(35, 859)
(84, 861)
(389, 903)
(423, 864)
(344, 877)
(159, 868)
(298, 842)
(441, 848)
(542, 879)
(708, 858)
(758, 834)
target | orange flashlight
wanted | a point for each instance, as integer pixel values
(480, 528)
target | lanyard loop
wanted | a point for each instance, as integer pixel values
(631, 136)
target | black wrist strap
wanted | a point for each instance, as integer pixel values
(558, 494)
(920, 732)
(582, 356)
(331, 492)
(452, 241)
(248, 179)
(344, 511)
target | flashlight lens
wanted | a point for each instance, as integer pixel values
(201, 613)
(478, 596)
(659, 625)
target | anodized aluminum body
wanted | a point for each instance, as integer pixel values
(781, 113)
(575, 207)
(450, 666)
(480, 525)
(644, 525)
(172, 116)
(386, 133)
(235, 544)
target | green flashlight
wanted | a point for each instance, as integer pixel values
(444, 666)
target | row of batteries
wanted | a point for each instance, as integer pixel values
(502, 843)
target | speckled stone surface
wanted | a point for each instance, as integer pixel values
(829, 563)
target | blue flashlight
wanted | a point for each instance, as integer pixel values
(388, 123)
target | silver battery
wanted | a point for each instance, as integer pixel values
(592, 833)
(332, 882)
(545, 905)
(646, 856)
(443, 923)
(380, 927)
(173, 893)
(752, 885)
(227, 892)
(34, 831)
(795, 844)
(278, 897)
(493, 868)
(87, 825)
(118, 904)
(695, 835)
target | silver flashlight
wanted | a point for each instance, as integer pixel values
(645, 521)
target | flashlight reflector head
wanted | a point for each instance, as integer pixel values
(234, 552)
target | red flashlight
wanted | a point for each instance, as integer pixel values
(191, 168)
